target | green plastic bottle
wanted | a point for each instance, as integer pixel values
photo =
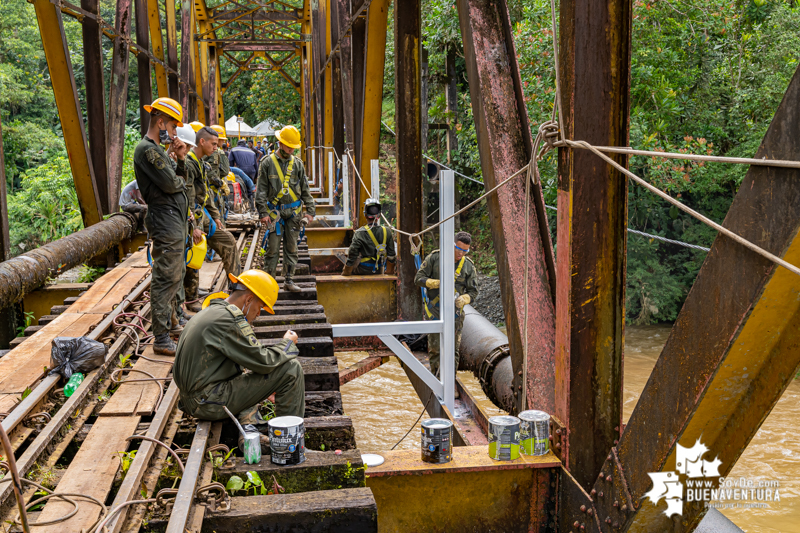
(73, 384)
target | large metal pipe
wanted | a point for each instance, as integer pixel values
(484, 350)
(29, 271)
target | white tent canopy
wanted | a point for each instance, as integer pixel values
(267, 128)
(233, 128)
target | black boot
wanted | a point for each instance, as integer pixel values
(164, 345)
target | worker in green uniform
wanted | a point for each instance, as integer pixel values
(218, 342)
(466, 287)
(218, 174)
(206, 214)
(372, 250)
(167, 219)
(281, 194)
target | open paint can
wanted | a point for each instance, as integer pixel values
(534, 432)
(504, 438)
(252, 447)
(437, 441)
(287, 440)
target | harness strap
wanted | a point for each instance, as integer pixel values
(375, 262)
(296, 203)
(435, 302)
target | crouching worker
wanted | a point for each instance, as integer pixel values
(372, 249)
(218, 343)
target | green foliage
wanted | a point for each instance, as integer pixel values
(29, 318)
(88, 273)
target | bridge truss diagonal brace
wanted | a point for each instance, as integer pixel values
(117, 99)
(735, 345)
(62, 78)
(503, 132)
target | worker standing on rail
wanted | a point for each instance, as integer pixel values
(372, 249)
(205, 213)
(282, 190)
(168, 217)
(466, 289)
(217, 174)
(219, 342)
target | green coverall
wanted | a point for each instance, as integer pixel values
(364, 247)
(214, 347)
(168, 223)
(218, 179)
(222, 241)
(268, 188)
(466, 283)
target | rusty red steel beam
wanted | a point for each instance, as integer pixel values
(362, 367)
(407, 98)
(734, 347)
(95, 99)
(505, 145)
(248, 47)
(187, 65)
(260, 15)
(117, 108)
(594, 49)
(143, 64)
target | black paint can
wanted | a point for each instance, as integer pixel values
(287, 440)
(437, 441)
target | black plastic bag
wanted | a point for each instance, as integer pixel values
(69, 355)
(416, 342)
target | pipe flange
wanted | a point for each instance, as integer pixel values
(486, 371)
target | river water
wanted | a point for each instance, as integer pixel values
(383, 407)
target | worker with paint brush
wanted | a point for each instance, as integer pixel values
(466, 287)
(218, 343)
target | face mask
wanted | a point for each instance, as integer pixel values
(247, 310)
(163, 136)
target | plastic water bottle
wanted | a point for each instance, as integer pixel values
(73, 384)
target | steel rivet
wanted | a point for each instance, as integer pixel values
(609, 457)
(616, 524)
(583, 527)
(558, 445)
(558, 432)
(576, 524)
(608, 478)
(519, 373)
(583, 508)
(608, 520)
(616, 503)
(615, 443)
(590, 512)
(601, 493)
(624, 507)
(519, 387)
(593, 492)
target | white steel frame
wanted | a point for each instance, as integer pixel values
(444, 389)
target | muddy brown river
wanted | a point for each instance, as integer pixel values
(383, 405)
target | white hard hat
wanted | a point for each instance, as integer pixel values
(186, 134)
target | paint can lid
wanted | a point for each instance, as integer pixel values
(285, 422)
(437, 423)
(372, 459)
(534, 416)
(504, 420)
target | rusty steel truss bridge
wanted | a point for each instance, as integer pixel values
(735, 345)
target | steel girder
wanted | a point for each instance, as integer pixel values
(172, 51)
(157, 42)
(592, 221)
(143, 63)
(505, 144)
(66, 95)
(117, 106)
(408, 121)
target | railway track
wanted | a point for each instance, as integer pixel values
(130, 447)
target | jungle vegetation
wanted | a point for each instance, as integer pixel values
(707, 78)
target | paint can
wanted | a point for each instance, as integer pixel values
(504, 438)
(252, 447)
(287, 440)
(437, 441)
(534, 432)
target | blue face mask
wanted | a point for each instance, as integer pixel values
(463, 250)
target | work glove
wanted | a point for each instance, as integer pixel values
(348, 270)
(390, 268)
(462, 300)
(432, 283)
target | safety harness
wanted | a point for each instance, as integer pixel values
(379, 260)
(435, 302)
(296, 205)
(212, 227)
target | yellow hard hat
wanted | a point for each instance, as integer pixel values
(261, 284)
(220, 130)
(231, 177)
(197, 126)
(213, 296)
(289, 136)
(167, 106)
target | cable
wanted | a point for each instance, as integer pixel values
(415, 422)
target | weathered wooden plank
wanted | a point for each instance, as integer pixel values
(302, 330)
(308, 346)
(352, 510)
(115, 294)
(293, 308)
(320, 376)
(323, 403)
(91, 472)
(362, 367)
(139, 398)
(136, 260)
(25, 364)
(330, 432)
(99, 290)
(208, 273)
(320, 471)
(306, 293)
(274, 320)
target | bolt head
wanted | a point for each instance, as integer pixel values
(609, 457)
(558, 431)
(624, 507)
(608, 520)
(583, 508)
(583, 527)
(558, 446)
(519, 373)
(616, 503)
(601, 494)
(616, 524)
(590, 512)
(608, 478)
(616, 441)
(593, 492)
(576, 524)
